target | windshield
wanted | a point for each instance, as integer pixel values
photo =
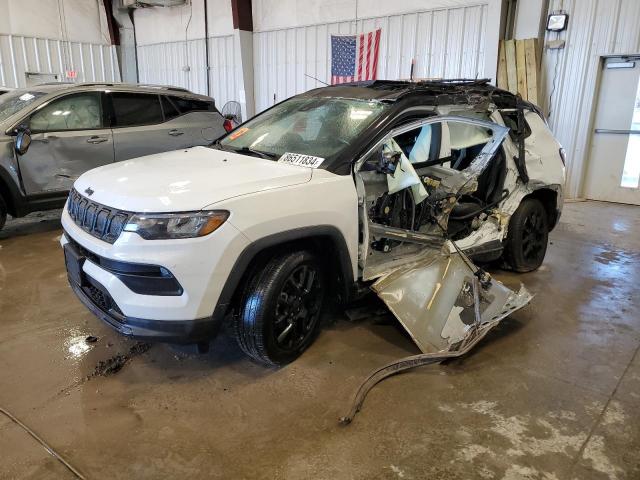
(13, 102)
(320, 127)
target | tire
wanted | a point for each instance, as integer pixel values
(3, 213)
(527, 238)
(286, 294)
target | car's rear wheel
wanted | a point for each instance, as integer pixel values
(527, 238)
(3, 213)
(280, 309)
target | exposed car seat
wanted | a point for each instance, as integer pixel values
(490, 183)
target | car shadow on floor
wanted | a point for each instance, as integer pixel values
(37, 222)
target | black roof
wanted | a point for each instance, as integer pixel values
(434, 92)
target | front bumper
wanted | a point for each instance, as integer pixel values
(151, 308)
(176, 331)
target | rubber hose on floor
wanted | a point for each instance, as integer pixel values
(46, 446)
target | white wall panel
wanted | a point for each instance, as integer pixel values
(445, 43)
(183, 64)
(180, 64)
(20, 55)
(596, 28)
(225, 74)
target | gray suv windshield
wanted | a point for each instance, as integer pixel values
(13, 102)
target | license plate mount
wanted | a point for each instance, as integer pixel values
(74, 262)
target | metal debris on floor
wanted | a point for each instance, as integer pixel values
(446, 304)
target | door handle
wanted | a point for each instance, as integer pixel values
(175, 133)
(618, 132)
(96, 139)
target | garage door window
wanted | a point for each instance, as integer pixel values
(81, 111)
(135, 109)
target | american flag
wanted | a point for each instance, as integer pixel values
(354, 57)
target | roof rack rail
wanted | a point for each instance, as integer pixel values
(55, 83)
(144, 85)
(457, 81)
(165, 87)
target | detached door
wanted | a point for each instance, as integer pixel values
(139, 126)
(613, 172)
(68, 138)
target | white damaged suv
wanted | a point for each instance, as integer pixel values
(389, 185)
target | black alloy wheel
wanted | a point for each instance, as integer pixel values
(527, 237)
(280, 309)
(534, 236)
(296, 307)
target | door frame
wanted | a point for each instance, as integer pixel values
(582, 168)
(476, 167)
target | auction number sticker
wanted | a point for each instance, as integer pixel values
(301, 160)
(238, 133)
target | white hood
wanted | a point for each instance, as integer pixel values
(185, 180)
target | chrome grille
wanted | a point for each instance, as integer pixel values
(102, 222)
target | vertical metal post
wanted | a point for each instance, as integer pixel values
(206, 46)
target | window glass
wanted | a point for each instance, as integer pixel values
(631, 172)
(133, 109)
(80, 111)
(13, 102)
(452, 144)
(321, 127)
(186, 105)
(168, 108)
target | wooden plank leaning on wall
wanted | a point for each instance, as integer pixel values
(518, 68)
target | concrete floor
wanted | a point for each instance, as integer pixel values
(553, 393)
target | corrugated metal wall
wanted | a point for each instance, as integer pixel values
(19, 55)
(596, 28)
(445, 43)
(164, 64)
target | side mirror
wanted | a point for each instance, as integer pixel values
(388, 162)
(23, 140)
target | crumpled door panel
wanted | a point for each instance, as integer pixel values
(443, 305)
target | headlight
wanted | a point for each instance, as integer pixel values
(161, 226)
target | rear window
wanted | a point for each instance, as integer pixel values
(132, 109)
(169, 109)
(186, 105)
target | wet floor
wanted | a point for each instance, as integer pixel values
(553, 393)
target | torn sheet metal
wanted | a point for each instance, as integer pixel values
(442, 303)
(447, 305)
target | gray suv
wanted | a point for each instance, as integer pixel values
(51, 134)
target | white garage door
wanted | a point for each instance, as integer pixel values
(446, 43)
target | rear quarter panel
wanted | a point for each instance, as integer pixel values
(543, 153)
(202, 128)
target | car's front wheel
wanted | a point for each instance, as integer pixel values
(527, 238)
(280, 309)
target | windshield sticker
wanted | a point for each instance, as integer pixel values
(301, 160)
(238, 133)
